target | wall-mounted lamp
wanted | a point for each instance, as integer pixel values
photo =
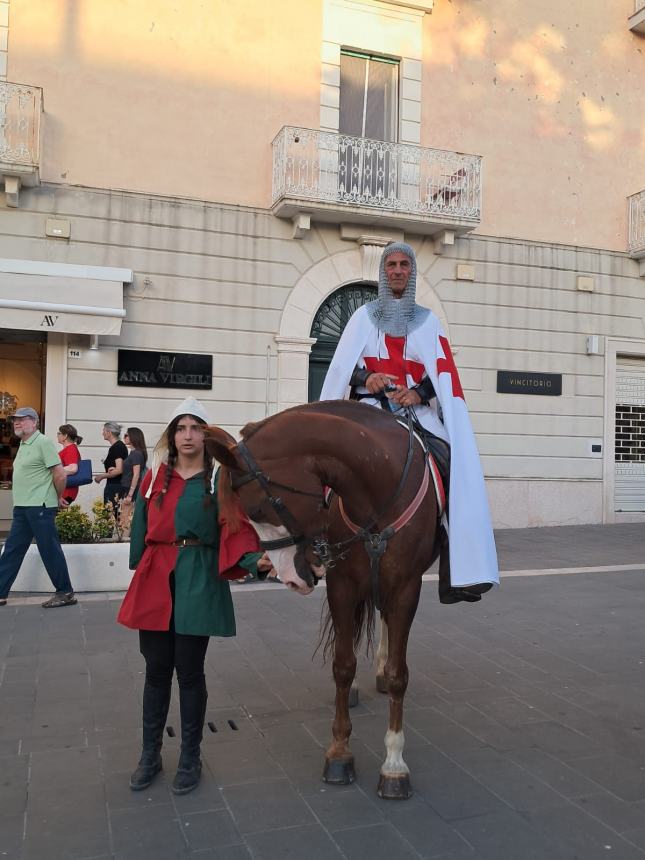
(94, 341)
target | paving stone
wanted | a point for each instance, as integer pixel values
(555, 773)
(211, 829)
(615, 773)
(67, 768)
(573, 830)
(66, 824)
(338, 808)
(506, 835)
(13, 784)
(424, 829)
(378, 842)
(11, 833)
(517, 787)
(455, 794)
(308, 841)
(231, 852)
(266, 805)
(149, 832)
(615, 813)
(234, 763)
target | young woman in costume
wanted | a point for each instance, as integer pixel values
(177, 598)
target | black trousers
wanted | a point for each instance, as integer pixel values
(166, 651)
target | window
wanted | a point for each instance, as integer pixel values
(368, 110)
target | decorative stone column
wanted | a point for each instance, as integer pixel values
(293, 370)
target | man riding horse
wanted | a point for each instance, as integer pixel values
(394, 354)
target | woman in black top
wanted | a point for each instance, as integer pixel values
(113, 462)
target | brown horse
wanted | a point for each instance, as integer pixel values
(279, 472)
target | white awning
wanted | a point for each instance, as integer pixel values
(40, 296)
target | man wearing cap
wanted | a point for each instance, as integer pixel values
(394, 354)
(38, 484)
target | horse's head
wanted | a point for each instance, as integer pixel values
(282, 496)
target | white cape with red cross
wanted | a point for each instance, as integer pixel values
(473, 558)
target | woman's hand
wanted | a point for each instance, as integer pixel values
(99, 478)
(265, 563)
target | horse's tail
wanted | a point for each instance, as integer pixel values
(364, 618)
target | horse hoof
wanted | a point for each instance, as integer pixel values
(394, 787)
(338, 772)
(381, 684)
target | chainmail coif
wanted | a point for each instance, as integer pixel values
(397, 317)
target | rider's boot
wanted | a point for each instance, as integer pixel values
(453, 594)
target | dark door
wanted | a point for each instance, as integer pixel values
(328, 325)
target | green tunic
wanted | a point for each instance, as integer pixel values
(202, 603)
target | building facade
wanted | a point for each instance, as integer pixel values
(197, 195)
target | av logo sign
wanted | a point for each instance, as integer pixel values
(49, 320)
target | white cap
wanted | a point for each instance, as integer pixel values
(189, 406)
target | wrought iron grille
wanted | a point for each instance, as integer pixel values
(397, 177)
(637, 222)
(20, 108)
(334, 313)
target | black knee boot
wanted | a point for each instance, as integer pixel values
(453, 594)
(192, 706)
(156, 701)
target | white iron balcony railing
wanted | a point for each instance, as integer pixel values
(636, 240)
(20, 109)
(338, 177)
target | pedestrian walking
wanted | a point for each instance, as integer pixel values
(70, 457)
(176, 599)
(134, 465)
(113, 463)
(38, 485)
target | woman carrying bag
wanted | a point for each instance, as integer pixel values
(177, 598)
(70, 457)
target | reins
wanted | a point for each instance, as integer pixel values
(329, 554)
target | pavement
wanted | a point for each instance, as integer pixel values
(524, 723)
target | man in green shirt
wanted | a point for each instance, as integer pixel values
(38, 483)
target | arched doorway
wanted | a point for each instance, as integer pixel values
(328, 325)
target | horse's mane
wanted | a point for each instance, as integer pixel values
(230, 510)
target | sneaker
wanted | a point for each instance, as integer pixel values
(60, 600)
(3, 601)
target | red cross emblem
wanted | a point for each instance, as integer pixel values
(396, 364)
(447, 365)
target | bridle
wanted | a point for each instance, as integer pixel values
(295, 536)
(329, 554)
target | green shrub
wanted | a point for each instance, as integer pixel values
(74, 526)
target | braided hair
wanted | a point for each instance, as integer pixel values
(171, 429)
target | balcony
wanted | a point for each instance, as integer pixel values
(326, 176)
(636, 229)
(20, 110)
(637, 20)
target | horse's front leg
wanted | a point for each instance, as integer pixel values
(339, 760)
(381, 658)
(394, 780)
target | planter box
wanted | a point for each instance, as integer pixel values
(92, 567)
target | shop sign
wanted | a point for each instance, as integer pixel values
(525, 382)
(145, 369)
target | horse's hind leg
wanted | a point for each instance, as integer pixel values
(394, 780)
(339, 761)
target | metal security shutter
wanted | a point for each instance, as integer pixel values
(629, 493)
